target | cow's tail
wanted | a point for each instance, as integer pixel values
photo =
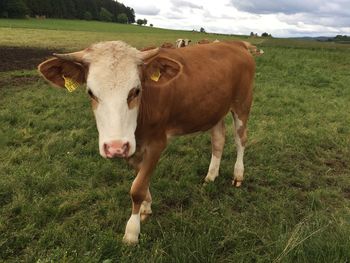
(253, 49)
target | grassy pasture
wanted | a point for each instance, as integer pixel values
(61, 202)
(68, 34)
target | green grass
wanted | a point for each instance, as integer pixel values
(75, 34)
(61, 202)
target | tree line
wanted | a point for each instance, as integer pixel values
(104, 10)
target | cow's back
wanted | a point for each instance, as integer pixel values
(211, 78)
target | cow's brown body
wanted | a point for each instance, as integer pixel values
(214, 80)
(184, 91)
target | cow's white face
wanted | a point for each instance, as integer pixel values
(114, 86)
(111, 72)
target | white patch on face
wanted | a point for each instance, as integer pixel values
(113, 73)
(178, 43)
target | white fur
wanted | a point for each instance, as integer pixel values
(181, 41)
(112, 74)
(213, 171)
(239, 166)
(132, 230)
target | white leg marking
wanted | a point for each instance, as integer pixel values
(213, 171)
(132, 230)
(239, 166)
(217, 146)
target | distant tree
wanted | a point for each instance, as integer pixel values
(106, 10)
(131, 14)
(87, 16)
(105, 15)
(15, 9)
(151, 25)
(122, 18)
(202, 30)
(342, 38)
(252, 34)
(141, 22)
(266, 34)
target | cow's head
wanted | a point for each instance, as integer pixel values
(111, 72)
(182, 42)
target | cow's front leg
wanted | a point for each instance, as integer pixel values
(140, 190)
(146, 209)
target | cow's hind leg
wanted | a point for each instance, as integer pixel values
(217, 143)
(240, 131)
(146, 209)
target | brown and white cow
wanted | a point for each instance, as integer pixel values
(182, 42)
(142, 99)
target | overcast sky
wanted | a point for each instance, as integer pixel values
(281, 18)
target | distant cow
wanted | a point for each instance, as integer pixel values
(253, 49)
(182, 42)
(141, 99)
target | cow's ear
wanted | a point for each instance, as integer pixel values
(162, 70)
(56, 70)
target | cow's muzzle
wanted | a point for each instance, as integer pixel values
(116, 149)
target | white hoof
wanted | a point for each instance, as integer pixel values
(210, 177)
(236, 183)
(130, 240)
(132, 230)
(238, 175)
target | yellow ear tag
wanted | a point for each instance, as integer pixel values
(70, 84)
(156, 75)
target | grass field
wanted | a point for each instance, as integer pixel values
(61, 202)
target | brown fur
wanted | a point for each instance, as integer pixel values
(203, 41)
(196, 90)
(198, 86)
(167, 45)
(54, 69)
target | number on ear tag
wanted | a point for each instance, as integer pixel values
(70, 84)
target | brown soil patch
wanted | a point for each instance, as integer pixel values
(16, 58)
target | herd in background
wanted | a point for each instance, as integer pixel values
(184, 42)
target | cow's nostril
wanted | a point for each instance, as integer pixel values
(126, 147)
(105, 147)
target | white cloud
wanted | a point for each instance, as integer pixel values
(286, 18)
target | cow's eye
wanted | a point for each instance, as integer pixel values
(92, 96)
(133, 93)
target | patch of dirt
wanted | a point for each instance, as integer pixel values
(16, 58)
(338, 163)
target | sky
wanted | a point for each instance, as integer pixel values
(281, 18)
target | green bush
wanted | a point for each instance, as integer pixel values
(105, 15)
(87, 15)
(122, 18)
(16, 9)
